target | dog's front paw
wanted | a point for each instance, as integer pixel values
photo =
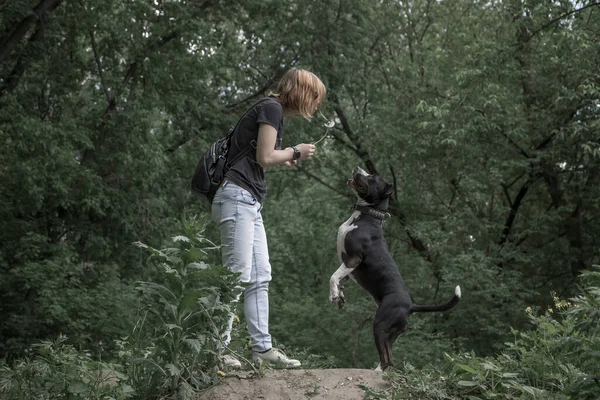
(336, 297)
(339, 299)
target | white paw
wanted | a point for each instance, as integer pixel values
(334, 293)
(337, 298)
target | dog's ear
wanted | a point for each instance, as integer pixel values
(389, 190)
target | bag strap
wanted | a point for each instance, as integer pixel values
(247, 149)
(223, 166)
(232, 130)
(241, 154)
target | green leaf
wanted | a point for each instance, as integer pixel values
(528, 389)
(173, 370)
(467, 368)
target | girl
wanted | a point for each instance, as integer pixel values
(237, 204)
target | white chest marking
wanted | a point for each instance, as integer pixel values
(346, 227)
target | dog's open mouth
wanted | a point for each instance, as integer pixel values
(356, 186)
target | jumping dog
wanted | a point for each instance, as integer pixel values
(365, 257)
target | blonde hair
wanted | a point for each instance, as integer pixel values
(300, 90)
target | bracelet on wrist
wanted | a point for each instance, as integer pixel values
(296, 154)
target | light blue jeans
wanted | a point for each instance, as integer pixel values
(244, 250)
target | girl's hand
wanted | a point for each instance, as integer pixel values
(306, 150)
(291, 163)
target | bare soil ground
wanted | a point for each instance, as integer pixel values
(314, 384)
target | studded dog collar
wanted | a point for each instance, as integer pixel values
(373, 212)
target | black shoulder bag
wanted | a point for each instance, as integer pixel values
(213, 165)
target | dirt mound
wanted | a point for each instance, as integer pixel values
(315, 384)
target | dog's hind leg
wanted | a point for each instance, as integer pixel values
(381, 331)
(382, 349)
(390, 321)
(396, 329)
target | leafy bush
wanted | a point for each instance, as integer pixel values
(58, 370)
(556, 359)
(173, 349)
(176, 342)
(51, 289)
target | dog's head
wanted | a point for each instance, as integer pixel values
(369, 189)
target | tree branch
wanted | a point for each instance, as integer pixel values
(9, 43)
(394, 182)
(253, 95)
(505, 190)
(310, 175)
(360, 152)
(343, 142)
(99, 67)
(173, 148)
(133, 66)
(549, 23)
(514, 181)
(512, 142)
(514, 208)
(551, 278)
(19, 69)
(429, 21)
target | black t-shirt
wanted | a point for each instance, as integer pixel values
(247, 172)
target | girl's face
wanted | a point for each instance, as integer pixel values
(315, 107)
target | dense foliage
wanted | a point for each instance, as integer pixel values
(484, 115)
(173, 346)
(556, 359)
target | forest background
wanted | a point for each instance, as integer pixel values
(483, 114)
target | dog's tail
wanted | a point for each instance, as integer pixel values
(440, 307)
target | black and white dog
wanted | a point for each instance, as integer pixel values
(365, 258)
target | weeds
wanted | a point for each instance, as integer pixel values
(173, 349)
(556, 359)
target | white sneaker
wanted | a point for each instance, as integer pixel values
(230, 362)
(275, 356)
